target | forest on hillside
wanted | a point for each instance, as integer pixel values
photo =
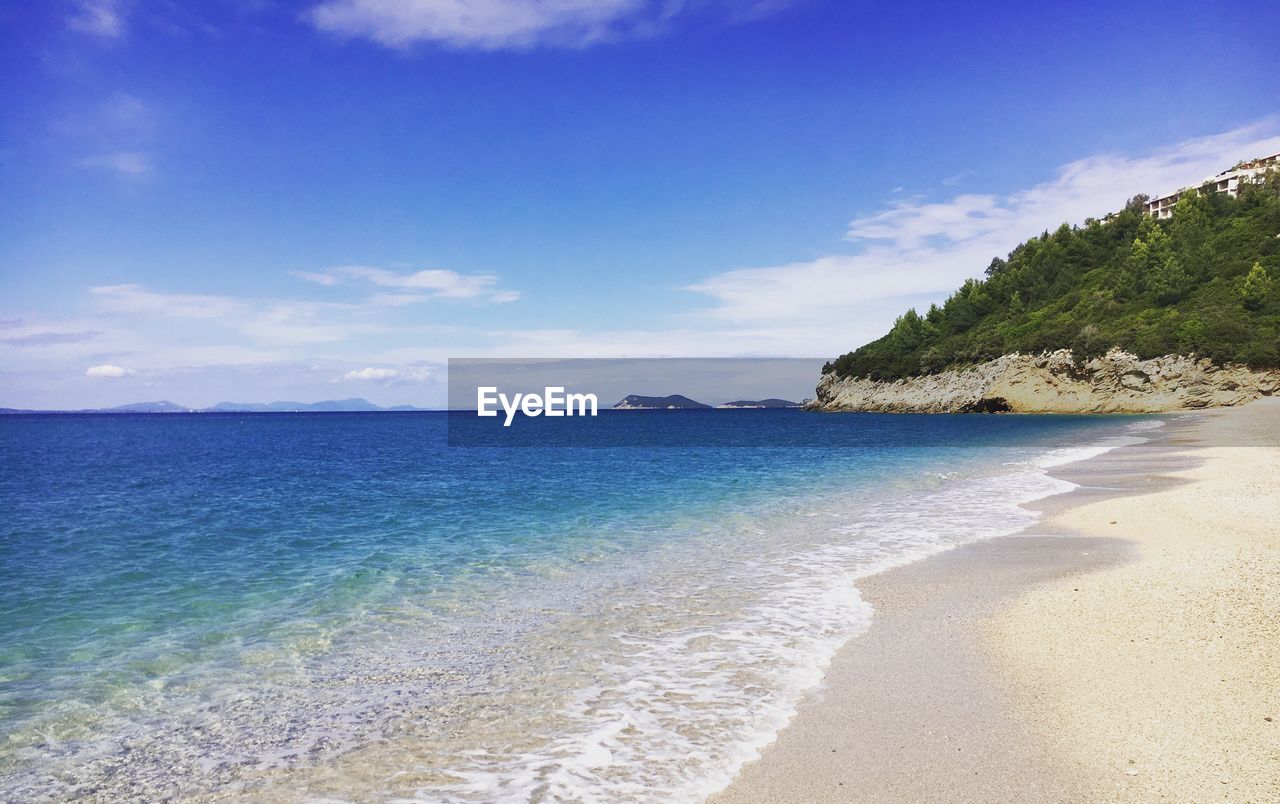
(1205, 281)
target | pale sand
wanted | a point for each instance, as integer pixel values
(1155, 680)
(1035, 668)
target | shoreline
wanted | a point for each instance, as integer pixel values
(956, 691)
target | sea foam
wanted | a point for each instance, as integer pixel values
(675, 715)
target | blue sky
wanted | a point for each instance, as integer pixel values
(256, 200)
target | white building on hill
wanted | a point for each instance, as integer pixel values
(1228, 181)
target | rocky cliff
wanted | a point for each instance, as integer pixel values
(1118, 382)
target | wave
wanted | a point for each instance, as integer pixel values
(675, 715)
(650, 665)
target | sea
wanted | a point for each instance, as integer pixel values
(355, 607)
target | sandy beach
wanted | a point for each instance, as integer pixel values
(1126, 648)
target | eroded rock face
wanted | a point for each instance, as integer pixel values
(1118, 382)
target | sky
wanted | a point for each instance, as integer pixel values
(254, 200)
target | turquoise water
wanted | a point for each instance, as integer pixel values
(344, 605)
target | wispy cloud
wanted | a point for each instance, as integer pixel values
(917, 250)
(271, 322)
(115, 135)
(100, 18)
(267, 321)
(153, 339)
(38, 339)
(1087, 187)
(500, 24)
(107, 371)
(133, 299)
(134, 164)
(416, 286)
(319, 277)
(123, 115)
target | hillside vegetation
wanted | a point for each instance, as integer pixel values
(1205, 282)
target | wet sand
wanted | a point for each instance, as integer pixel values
(1035, 667)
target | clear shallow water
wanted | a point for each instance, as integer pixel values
(342, 605)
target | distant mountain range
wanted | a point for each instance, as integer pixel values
(358, 405)
(672, 402)
(354, 405)
(761, 403)
(681, 402)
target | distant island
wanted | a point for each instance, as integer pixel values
(672, 402)
(1170, 304)
(353, 405)
(681, 402)
(760, 403)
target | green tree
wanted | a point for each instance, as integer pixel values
(1264, 350)
(1131, 280)
(908, 331)
(1137, 203)
(1257, 290)
(1154, 265)
(1169, 282)
(1159, 245)
(1191, 334)
(1190, 229)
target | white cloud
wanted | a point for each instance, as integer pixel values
(100, 18)
(719, 340)
(484, 24)
(372, 373)
(133, 299)
(916, 251)
(116, 135)
(406, 374)
(23, 336)
(318, 277)
(418, 286)
(123, 163)
(448, 284)
(497, 24)
(302, 322)
(162, 344)
(397, 299)
(956, 178)
(268, 321)
(1087, 187)
(107, 370)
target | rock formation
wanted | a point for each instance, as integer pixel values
(1118, 382)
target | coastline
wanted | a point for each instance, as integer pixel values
(1039, 665)
(1053, 382)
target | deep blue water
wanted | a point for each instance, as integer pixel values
(249, 570)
